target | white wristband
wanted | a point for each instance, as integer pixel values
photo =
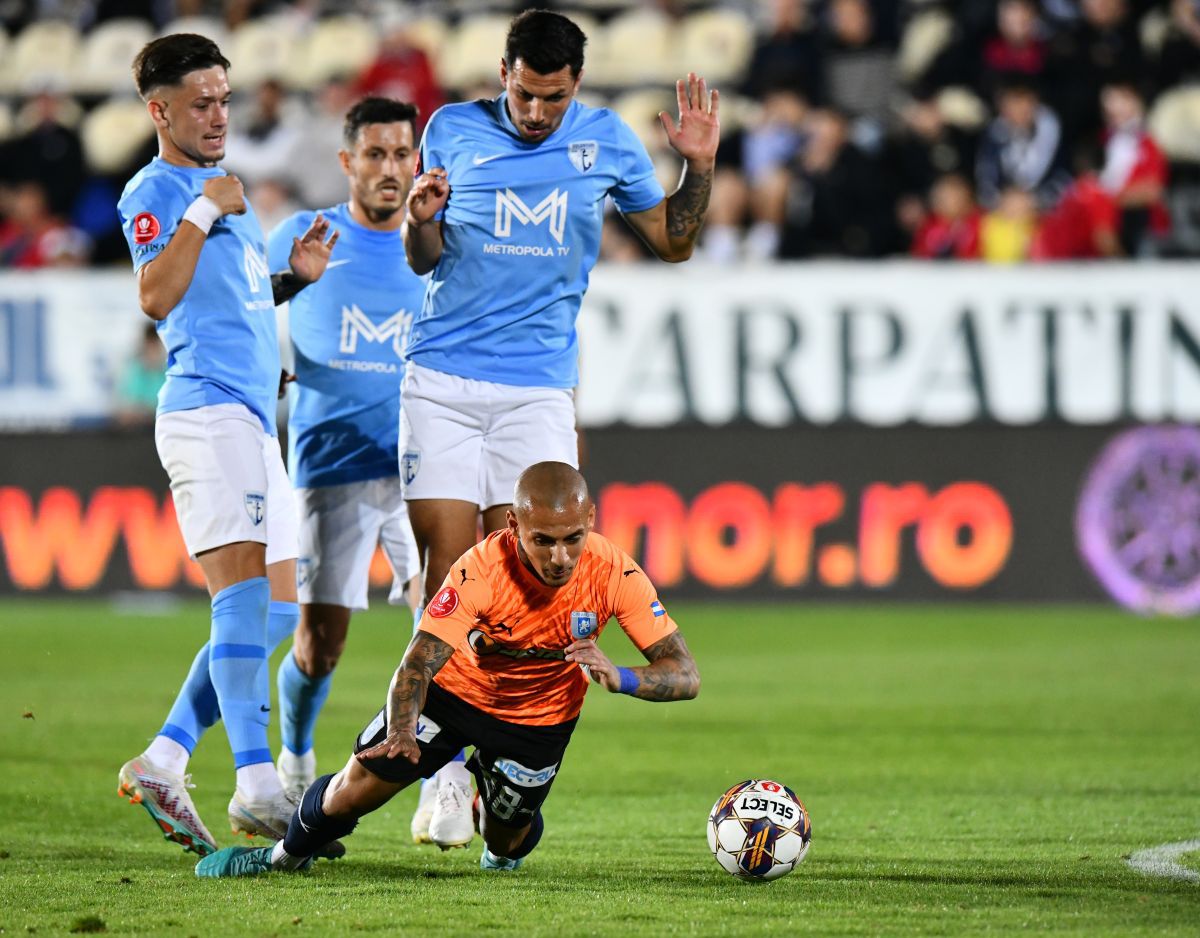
(203, 213)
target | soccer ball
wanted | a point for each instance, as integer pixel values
(759, 830)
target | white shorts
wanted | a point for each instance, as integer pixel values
(339, 528)
(469, 440)
(227, 479)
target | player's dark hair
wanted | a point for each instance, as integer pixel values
(545, 42)
(164, 61)
(375, 110)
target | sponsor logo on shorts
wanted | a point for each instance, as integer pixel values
(583, 154)
(410, 463)
(145, 228)
(443, 603)
(583, 624)
(256, 504)
(303, 570)
(426, 729)
(526, 778)
(657, 608)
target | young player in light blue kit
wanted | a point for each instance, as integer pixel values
(347, 335)
(507, 217)
(202, 275)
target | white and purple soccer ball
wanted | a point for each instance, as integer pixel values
(759, 830)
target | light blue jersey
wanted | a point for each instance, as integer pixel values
(222, 345)
(348, 331)
(521, 233)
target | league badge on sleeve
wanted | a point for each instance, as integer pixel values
(443, 603)
(583, 624)
(145, 228)
(582, 154)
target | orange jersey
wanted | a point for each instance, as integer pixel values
(509, 629)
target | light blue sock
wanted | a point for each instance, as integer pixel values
(196, 708)
(237, 664)
(282, 619)
(300, 700)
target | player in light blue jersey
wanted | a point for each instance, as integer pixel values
(347, 335)
(202, 276)
(507, 218)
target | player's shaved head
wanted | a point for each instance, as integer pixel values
(551, 518)
(551, 486)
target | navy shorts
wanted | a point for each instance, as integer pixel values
(514, 764)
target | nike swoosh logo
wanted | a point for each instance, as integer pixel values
(480, 160)
(333, 264)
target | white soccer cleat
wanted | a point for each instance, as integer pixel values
(164, 795)
(424, 813)
(452, 824)
(295, 772)
(267, 818)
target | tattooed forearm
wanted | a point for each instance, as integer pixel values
(672, 673)
(687, 205)
(286, 285)
(423, 659)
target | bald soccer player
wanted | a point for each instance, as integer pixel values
(501, 662)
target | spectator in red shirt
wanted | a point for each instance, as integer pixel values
(1083, 225)
(1016, 48)
(402, 71)
(32, 237)
(1135, 170)
(951, 230)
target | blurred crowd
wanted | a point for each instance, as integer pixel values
(995, 130)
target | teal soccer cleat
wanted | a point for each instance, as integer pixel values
(236, 861)
(487, 861)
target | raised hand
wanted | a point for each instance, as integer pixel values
(310, 252)
(698, 132)
(428, 196)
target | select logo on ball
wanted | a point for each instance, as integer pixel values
(145, 228)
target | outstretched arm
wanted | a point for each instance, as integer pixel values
(307, 262)
(671, 674)
(422, 660)
(670, 228)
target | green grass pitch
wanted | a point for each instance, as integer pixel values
(968, 770)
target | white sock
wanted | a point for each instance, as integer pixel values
(298, 765)
(721, 244)
(455, 772)
(282, 860)
(258, 782)
(168, 754)
(762, 241)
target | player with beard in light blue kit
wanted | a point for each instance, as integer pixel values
(202, 276)
(347, 335)
(507, 219)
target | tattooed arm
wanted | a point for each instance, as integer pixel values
(671, 674)
(422, 660)
(670, 228)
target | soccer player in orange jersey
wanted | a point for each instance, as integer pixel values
(501, 662)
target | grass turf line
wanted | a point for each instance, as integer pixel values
(968, 769)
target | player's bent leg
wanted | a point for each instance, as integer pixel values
(504, 847)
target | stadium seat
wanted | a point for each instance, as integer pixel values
(108, 50)
(1174, 122)
(263, 49)
(42, 54)
(340, 45)
(208, 26)
(429, 34)
(961, 107)
(472, 52)
(639, 109)
(635, 49)
(925, 36)
(113, 132)
(715, 43)
(6, 122)
(1153, 31)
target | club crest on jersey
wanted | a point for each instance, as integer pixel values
(582, 154)
(583, 624)
(256, 504)
(145, 228)
(410, 463)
